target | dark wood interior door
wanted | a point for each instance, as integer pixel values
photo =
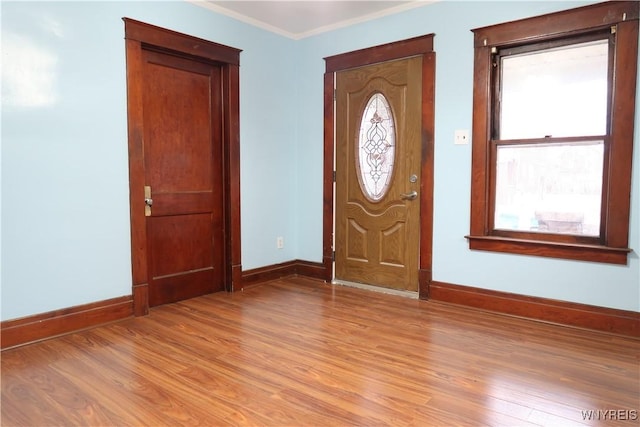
(183, 152)
(378, 174)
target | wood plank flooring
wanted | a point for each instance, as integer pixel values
(297, 352)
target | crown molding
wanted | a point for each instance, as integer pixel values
(323, 29)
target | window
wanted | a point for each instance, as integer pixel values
(554, 109)
(376, 148)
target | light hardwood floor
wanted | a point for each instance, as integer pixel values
(297, 352)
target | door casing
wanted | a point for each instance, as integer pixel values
(139, 36)
(422, 46)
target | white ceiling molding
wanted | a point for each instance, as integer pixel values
(299, 19)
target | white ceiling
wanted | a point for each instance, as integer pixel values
(303, 18)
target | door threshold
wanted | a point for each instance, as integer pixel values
(406, 294)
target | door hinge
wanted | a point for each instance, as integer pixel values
(334, 176)
(334, 94)
(333, 256)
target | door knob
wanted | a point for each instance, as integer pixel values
(148, 202)
(409, 196)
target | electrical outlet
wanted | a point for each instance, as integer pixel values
(280, 242)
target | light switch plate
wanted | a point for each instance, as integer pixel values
(461, 137)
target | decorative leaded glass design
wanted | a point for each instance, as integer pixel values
(376, 147)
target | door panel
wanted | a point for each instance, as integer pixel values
(183, 166)
(377, 241)
(186, 237)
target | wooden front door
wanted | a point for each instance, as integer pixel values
(183, 173)
(184, 165)
(378, 173)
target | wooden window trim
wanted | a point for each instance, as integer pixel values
(612, 247)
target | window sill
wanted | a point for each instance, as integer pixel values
(575, 251)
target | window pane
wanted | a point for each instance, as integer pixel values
(555, 92)
(550, 188)
(376, 147)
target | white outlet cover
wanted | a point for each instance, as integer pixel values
(461, 137)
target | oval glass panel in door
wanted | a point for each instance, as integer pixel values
(376, 148)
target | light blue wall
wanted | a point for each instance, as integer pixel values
(65, 208)
(451, 22)
(64, 202)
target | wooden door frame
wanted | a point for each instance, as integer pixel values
(139, 36)
(418, 46)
